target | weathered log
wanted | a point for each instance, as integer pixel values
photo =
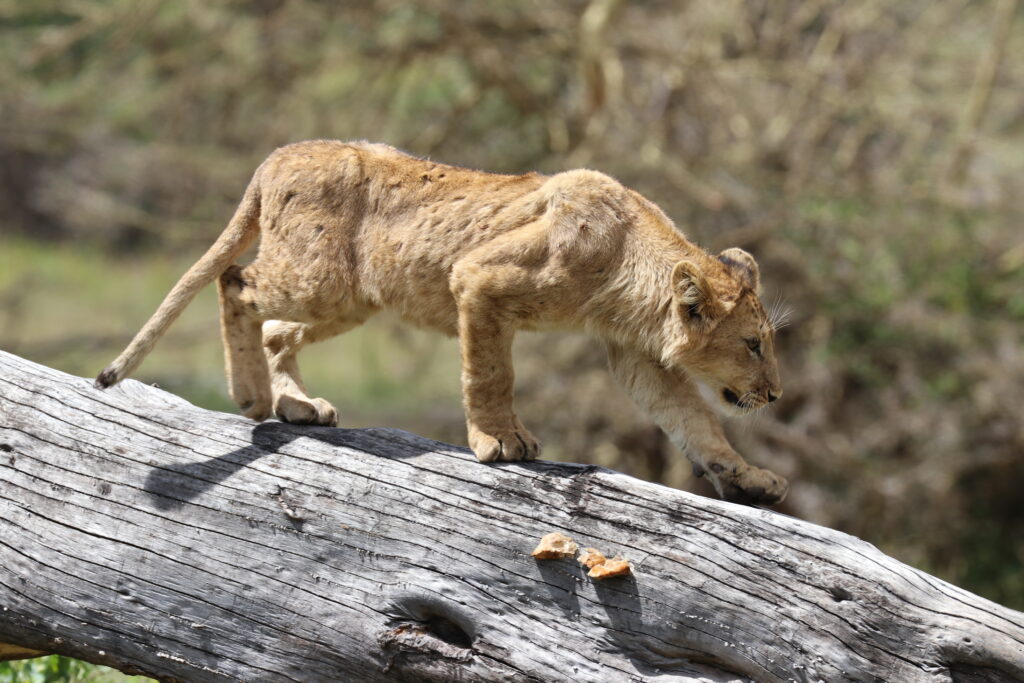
(141, 532)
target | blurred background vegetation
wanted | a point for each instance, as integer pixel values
(869, 153)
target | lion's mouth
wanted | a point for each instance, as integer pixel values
(748, 402)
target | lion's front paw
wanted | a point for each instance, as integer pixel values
(512, 443)
(258, 410)
(754, 486)
(254, 400)
(302, 411)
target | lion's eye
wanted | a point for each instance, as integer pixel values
(755, 346)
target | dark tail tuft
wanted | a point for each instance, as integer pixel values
(107, 378)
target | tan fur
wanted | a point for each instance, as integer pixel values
(348, 229)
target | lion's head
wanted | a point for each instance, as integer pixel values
(729, 339)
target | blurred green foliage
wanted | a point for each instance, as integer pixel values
(870, 154)
(56, 669)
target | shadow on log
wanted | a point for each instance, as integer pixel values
(143, 533)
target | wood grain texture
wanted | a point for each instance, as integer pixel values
(143, 533)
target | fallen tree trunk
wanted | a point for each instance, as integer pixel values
(143, 533)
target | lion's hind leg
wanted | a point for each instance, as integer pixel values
(241, 330)
(281, 342)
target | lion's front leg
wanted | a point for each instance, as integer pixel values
(673, 402)
(485, 341)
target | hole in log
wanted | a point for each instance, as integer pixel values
(969, 673)
(435, 638)
(6, 447)
(839, 594)
(427, 627)
(448, 631)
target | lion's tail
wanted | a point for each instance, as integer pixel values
(236, 238)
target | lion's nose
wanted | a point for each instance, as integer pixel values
(773, 397)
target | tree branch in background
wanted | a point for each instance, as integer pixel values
(981, 92)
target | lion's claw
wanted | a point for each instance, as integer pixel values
(752, 486)
(510, 444)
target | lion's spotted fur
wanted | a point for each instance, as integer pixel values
(347, 229)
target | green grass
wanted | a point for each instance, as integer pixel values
(56, 669)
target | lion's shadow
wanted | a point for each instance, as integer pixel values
(172, 486)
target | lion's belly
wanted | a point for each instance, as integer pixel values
(444, 320)
(415, 288)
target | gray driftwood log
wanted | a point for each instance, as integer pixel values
(141, 532)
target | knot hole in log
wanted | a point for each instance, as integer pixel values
(426, 629)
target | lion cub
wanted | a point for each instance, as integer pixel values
(348, 229)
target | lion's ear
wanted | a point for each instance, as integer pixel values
(693, 293)
(743, 267)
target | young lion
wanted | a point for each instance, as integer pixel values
(351, 228)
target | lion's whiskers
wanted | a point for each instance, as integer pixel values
(751, 401)
(779, 313)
